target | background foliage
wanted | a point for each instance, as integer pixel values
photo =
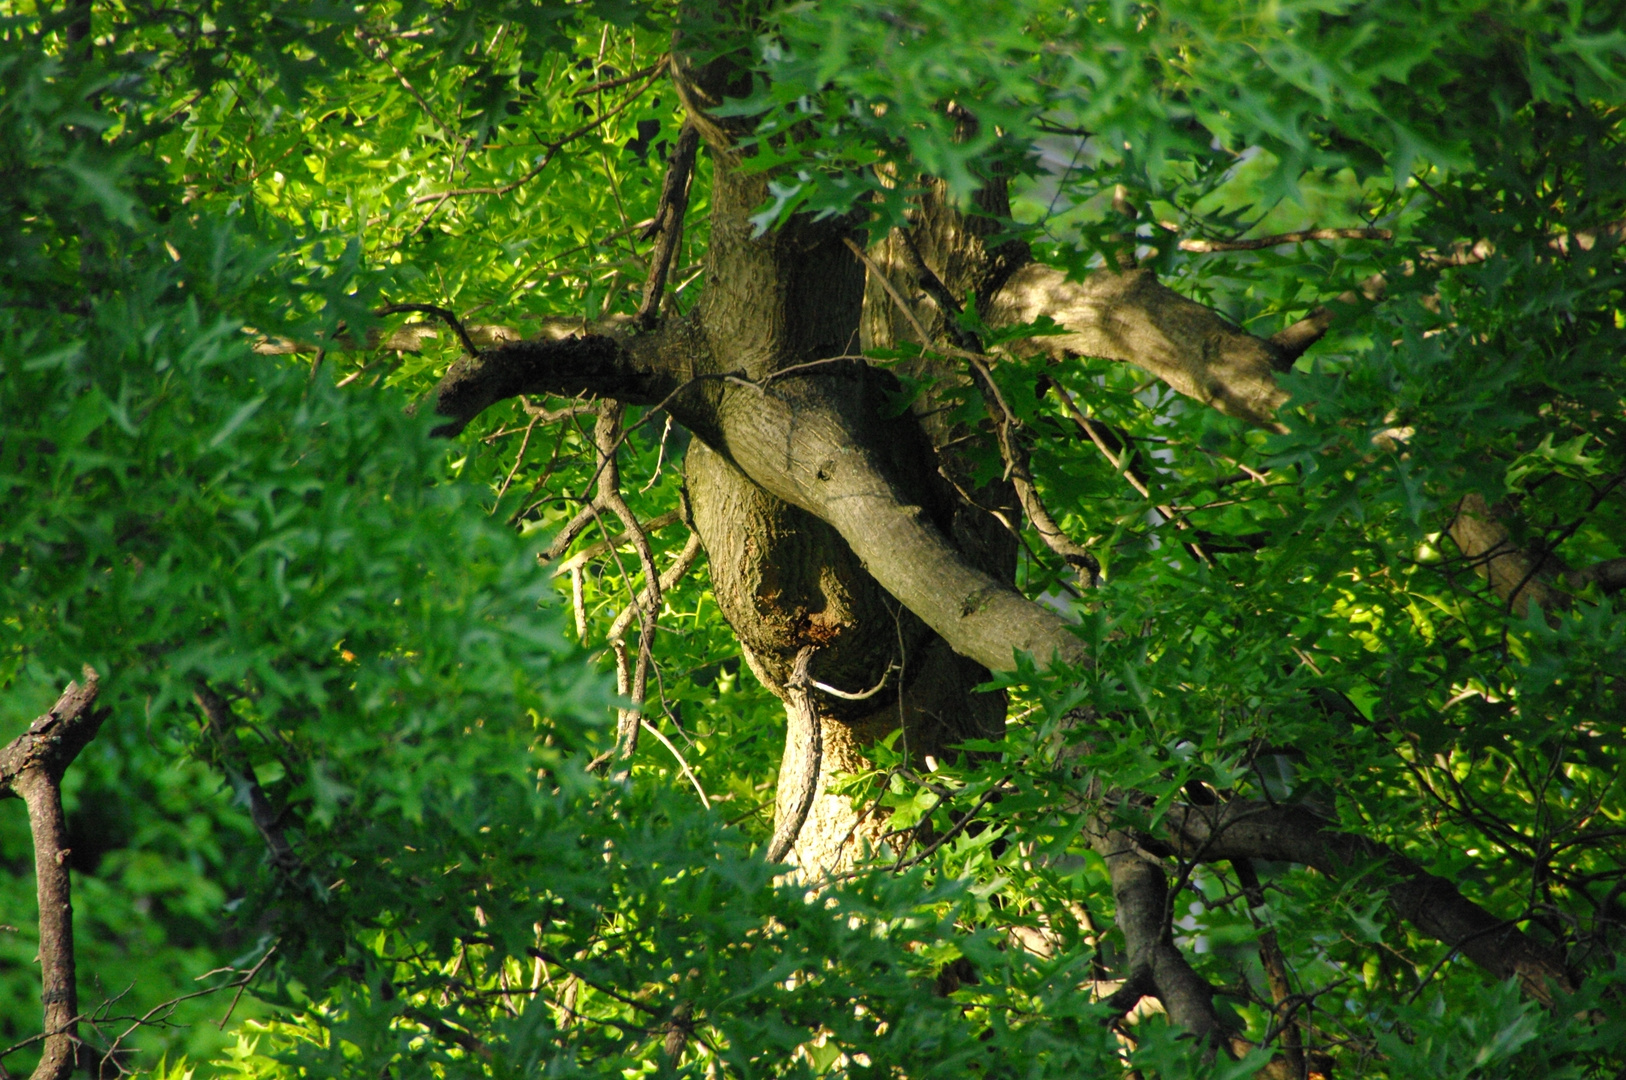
(180, 184)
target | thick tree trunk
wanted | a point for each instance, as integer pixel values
(786, 579)
(847, 547)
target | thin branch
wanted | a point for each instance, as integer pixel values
(668, 225)
(220, 724)
(668, 578)
(611, 84)
(383, 54)
(862, 695)
(600, 547)
(1299, 237)
(959, 826)
(1005, 421)
(553, 149)
(1124, 465)
(682, 762)
(1275, 965)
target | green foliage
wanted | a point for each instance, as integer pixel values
(184, 185)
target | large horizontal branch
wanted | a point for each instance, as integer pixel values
(1132, 317)
(814, 438)
(608, 360)
(1254, 830)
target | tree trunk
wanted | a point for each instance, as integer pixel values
(847, 546)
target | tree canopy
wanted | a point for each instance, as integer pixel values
(841, 538)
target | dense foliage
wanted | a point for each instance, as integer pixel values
(212, 480)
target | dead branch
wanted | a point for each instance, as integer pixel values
(31, 768)
(667, 227)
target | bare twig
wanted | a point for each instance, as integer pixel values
(959, 827)
(1274, 963)
(611, 84)
(600, 547)
(682, 762)
(1094, 430)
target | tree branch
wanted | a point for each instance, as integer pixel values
(667, 227)
(553, 149)
(1512, 574)
(220, 723)
(1251, 830)
(1134, 318)
(444, 314)
(1140, 892)
(1300, 237)
(31, 768)
(570, 360)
